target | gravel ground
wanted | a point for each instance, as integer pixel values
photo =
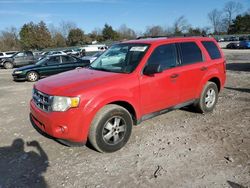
(177, 149)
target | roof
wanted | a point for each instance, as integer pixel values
(164, 39)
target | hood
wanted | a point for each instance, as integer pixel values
(75, 82)
(7, 59)
(27, 67)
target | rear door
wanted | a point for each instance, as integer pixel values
(29, 58)
(51, 66)
(193, 67)
(161, 90)
(68, 63)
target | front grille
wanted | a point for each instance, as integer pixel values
(42, 100)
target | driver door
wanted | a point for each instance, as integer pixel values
(161, 90)
(19, 59)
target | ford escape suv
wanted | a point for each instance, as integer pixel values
(129, 83)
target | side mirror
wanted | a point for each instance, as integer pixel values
(151, 69)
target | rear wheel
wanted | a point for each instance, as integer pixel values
(32, 76)
(111, 128)
(208, 98)
(8, 65)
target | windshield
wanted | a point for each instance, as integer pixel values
(97, 54)
(122, 58)
(14, 54)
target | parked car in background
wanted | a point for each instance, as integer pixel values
(48, 66)
(70, 52)
(233, 45)
(44, 54)
(7, 54)
(244, 44)
(18, 59)
(92, 58)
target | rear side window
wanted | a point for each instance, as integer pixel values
(68, 59)
(29, 53)
(165, 55)
(212, 49)
(1, 54)
(190, 53)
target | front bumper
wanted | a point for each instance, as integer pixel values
(64, 126)
(19, 76)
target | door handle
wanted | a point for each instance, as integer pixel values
(203, 68)
(174, 75)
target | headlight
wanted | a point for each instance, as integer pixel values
(61, 104)
(18, 72)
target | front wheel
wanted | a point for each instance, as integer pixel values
(111, 128)
(32, 76)
(8, 65)
(208, 98)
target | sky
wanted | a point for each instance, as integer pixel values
(91, 14)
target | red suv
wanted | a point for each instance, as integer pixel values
(129, 83)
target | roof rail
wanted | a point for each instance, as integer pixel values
(169, 36)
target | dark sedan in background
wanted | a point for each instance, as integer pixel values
(47, 66)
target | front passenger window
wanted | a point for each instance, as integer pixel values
(164, 55)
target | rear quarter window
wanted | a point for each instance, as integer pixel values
(212, 49)
(190, 53)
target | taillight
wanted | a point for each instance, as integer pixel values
(224, 66)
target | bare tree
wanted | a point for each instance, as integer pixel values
(65, 27)
(215, 17)
(154, 31)
(9, 39)
(231, 9)
(181, 25)
(126, 32)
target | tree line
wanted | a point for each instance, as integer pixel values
(39, 35)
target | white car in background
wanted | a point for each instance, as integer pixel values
(70, 52)
(92, 58)
(7, 54)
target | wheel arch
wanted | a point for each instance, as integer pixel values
(129, 107)
(216, 80)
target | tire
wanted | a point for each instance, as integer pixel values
(32, 76)
(8, 65)
(111, 128)
(208, 98)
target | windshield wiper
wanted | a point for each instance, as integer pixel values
(100, 69)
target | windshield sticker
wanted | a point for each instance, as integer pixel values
(138, 48)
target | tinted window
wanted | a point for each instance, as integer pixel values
(53, 60)
(190, 52)
(1, 54)
(165, 55)
(212, 49)
(68, 59)
(10, 53)
(29, 53)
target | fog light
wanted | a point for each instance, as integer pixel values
(62, 129)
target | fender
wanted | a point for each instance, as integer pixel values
(94, 104)
(212, 73)
(121, 95)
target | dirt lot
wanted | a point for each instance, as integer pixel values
(178, 149)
